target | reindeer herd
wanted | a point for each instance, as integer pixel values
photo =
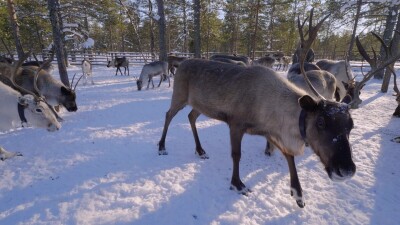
(308, 107)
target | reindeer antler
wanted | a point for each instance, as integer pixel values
(14, 69)
(305, 45)
(45, 63)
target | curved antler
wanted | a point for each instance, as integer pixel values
(44, 64)
(14, 70)
(305, 45)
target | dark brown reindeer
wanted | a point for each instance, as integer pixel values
(257, 100)
(118, 63)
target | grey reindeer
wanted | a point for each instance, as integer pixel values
(257, 100)
(149, 71)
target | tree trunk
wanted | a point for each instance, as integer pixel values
(394, 50)
(15, 28)
(162, 28)
(53, 6)
(152, 46)
(353, 35)
(253, 42)
(197, 29)
(387, 35)
(185, 36)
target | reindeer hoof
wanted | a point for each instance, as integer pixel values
(244, 190)
(396, 139)
(297, 197)
(162, 152)
(202, 154)
(300, 203)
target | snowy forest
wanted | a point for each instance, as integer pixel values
(231, 26)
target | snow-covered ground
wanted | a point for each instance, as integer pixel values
(102, 167)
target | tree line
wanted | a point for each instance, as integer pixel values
(201, 27)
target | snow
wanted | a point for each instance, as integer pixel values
(103, 167)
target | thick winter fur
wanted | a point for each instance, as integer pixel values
(48, 67)
(267, 61)
(37, 113)
(149, 71)
(231, 61)
(338, 69)
(118, 63)
(246, 60)
(323, 81)
(256, 100)
(55, 92)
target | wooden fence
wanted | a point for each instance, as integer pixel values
(102, 58)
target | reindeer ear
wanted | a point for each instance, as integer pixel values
(347, 99)
(307, 103)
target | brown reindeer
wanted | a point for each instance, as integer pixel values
(257, 100)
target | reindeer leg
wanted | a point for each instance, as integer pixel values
(120, 71)
(7, 155)
(295, 186)
(269, 149)
(161, 79)
(193, 115)
(236, 135)
(175, 108)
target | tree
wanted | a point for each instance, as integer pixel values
(387, 35)
(394, 49)
(353, 35)
(53, 6)
(161, 27)
(15, 28)
(197, 28)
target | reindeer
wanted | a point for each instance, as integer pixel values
(173, 63)
(285, 63)
(46, 66)
(257, 100)
(226, 60)
(28, 109)
(267, 61)
(118, 63)
(4, 59)
(87, 71)
(41, 83)
(149, 71)
(246, 60)
(343, 73)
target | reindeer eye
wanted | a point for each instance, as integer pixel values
(38, 110)
(321, 122)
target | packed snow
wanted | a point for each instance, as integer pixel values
(103, 167)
